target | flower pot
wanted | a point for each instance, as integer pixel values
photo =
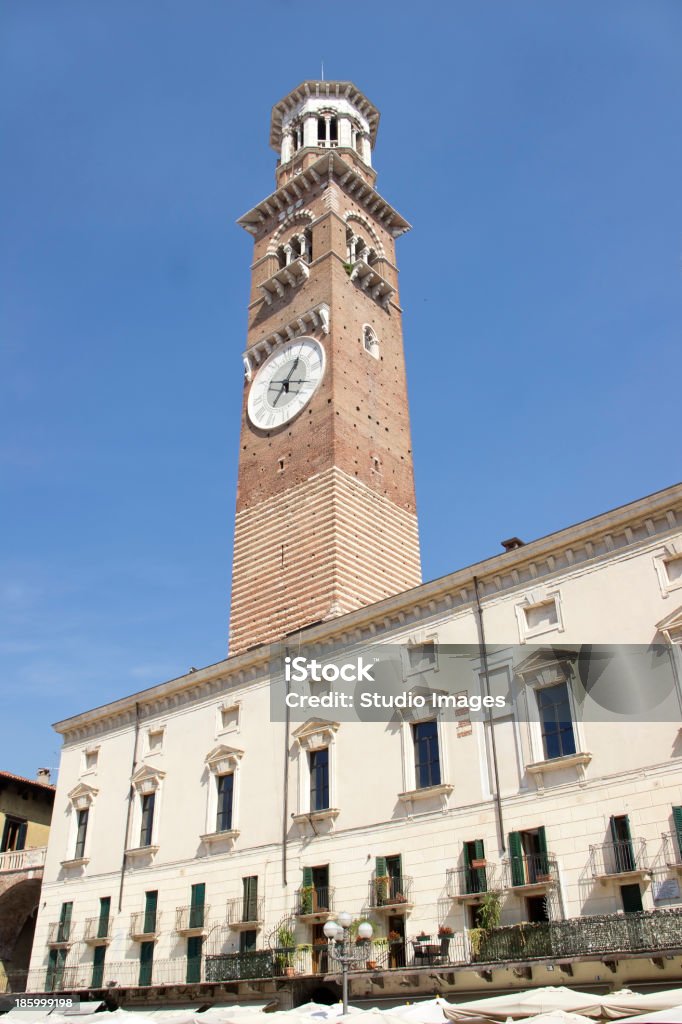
(371, 965)
(480, 862)
(289, 972)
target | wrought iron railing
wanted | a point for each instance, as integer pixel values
(645, 932)
(60, 933)
(245, 911)
(672, 849)
(618, 858)
(97, 928)
(144, 922)
(386, 891)
(530, 869)
(192, 917)
(470, 881)
(314, 899)
(22, 860)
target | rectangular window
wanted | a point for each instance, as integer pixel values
(91, 758)
(64, 928)
(542, 616)
(194, 950)
(475, 879)
(104, 911)
(558, 738)
(147, 819)
(98, 967)
(81, 833)
(673, 569)
(13, 835)
(155, 739)
(247, 941)
(151, 902)
(250, 898)
(426, 756)
(623, 853)
(55, 969)
(229, 717)
(197, 904)
(319, 779)
(146, 963)
(225, 798)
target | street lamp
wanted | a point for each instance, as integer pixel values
(339, 946)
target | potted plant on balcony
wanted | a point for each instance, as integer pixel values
(445, 933)
(479, 862)
(306, 899)
(284, 955)
(381, 889)
(489, 913)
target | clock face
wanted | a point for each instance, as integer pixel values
(285, 383)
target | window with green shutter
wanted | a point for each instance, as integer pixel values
(81, 833)
(380, 881)
(97, 979)
(197, 903)
(516, 859)
(64, 929)
(195, 946)
(250, 898)
(147, 825)
(151, 900)
(623, 854)
(103, 923)
(146, 963)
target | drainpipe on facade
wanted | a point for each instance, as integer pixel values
(285, 793)
(493, 746)
(130, 805)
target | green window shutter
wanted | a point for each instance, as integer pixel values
(197, 901)
(381, 869)
(146, 963)
(467, 858)
(677, 821)
(307, 876)
(250, 901)
(21, 836)
(518, 874)
(65, 921)
(104, 911)
(543, 860)
(199, 894)
(151, 900)
(194, 951)
(98, 967)
(479, 849)
(480, 877)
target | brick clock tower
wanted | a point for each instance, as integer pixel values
(326, 519)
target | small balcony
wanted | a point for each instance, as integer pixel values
(290, 276)
(468, 884)
(391, 895)
(531, 874)
(97, 931)
(314, 903)
(245, 914)
(371, 281)
(22, 860)
(191, 920)
(60, 933)
(672, 850)
(625, 861)
(144, 927)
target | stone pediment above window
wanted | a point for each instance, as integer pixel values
(147, 779)
(223, 759)
(312, 320)
(671, 627)
(290, 276)
(82, 796)
(547, 666)
(315, 733)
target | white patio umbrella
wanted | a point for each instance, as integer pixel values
(429, 1011)
(670, 1016)
(527, 1004)
(556, 1017)
(626, 1003)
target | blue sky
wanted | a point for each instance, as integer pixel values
(536, 149)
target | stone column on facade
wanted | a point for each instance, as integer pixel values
(287, 146)
(310, 129)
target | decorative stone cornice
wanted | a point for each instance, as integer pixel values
(315, 733)
(82, 796)
(312, 320)
(222, 759)
(330, 166)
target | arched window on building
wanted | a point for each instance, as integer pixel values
(370, 342)
(358, 249)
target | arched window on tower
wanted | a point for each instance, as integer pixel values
(322, 130)
(333, 131)
(358, 249)
(281, 257)
(370, 342)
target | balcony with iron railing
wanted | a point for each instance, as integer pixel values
(60, 933)
(314, 902)
(626, 860)
(97, 931)
(649, 934)
(144, 925)
(191, 920)
(245, 914)
(531, 873)
(672, 850)
(23, 860)
(391, 894)
(468, 884)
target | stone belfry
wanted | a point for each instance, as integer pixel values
(326, 519)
